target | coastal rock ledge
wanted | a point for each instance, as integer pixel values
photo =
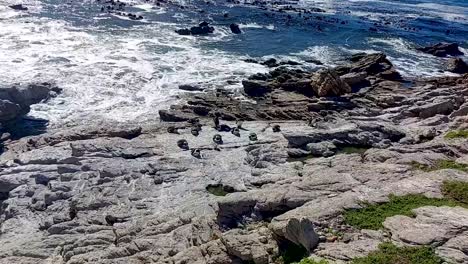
(289, 167)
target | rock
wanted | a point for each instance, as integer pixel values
(18, 7)
(457, 65)
(235, 28)
(15, 101)
(372, 64)
(271, 63)
(328, 83)
(258, 247)
(442, 49)
(191, 88)
(202, 29)
(324, 148)
(175, 116)
(354, 78)
(347, 251)
(256, 88)
(442, 226)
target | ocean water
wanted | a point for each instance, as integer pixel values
(115, 68)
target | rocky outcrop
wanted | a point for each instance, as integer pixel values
(15, 101)
(327, 83)
(203, 28)
(457, 65)
(442, 49)
(235, 28)
(126, 193)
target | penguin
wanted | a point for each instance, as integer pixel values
(196, 153)
(239, 123)
(172, 130)
(235, 131)
(183, 144)
(218, 139)
(216, 121)
(253, 137)
(276, 128)
(195, 131)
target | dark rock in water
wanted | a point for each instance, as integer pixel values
(202, 29)
(289, 62)
(184, 32)
(442, 49)
(271, 63)
(18, 7)
(256, 88)
(235, 28)
(457, 65)
(15, 101)
(371, 63)
(188, 87)
(314, 61)
(251, 61)
(390, 74)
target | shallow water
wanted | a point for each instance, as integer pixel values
(112, 67)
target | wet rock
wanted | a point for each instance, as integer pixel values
(442, 49)
(15, 101)
(328, 83)
(202, 29)
(256, 88)
(457, 65)
(235, 28)
(191, 88)
(18, 7)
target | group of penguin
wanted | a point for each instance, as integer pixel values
(217, 138)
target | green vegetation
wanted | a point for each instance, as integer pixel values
(219, 189)
(457, 134)
(440, 165)
(456, 190)
(311, 261)
(391, 254)
(371, 216)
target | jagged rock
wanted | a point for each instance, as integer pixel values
(191, 88)
(235, 28)
(354, 78)
(371, 63)
(256, 88)
(15, 101)
(18, 7)
(324, 148)
(175, 116)
(440, 226)
(347, 251)
(257, 246)
(457, 65)
(203, 29)
(328, 83)
(442, 49)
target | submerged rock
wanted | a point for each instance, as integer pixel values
(18, 7)
(442, 49)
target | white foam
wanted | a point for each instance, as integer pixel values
(129, 76)
(255, 25)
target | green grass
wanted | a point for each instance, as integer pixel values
(391, 254)
(456, 190)
(440, 165)
(457, 134)
(311, 261)
(371, 216)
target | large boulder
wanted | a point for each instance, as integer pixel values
(326, 82)
(457, 65)
(442, 49)
(371, 63)
(235, 28)
(15, 101)
(256, 87)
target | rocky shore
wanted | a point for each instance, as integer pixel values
(300, 151)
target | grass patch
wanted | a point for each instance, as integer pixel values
(391, 254)
(373, 215)
(440, 165)
(219, 189)
(457, 134)
(456, 190)
(311, 261)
